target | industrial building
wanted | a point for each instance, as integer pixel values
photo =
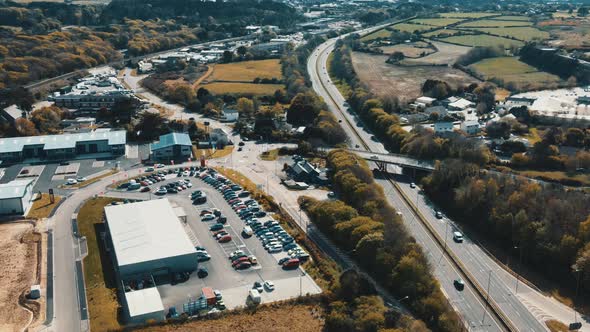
(16, 197)
(61, 147)
(147, 242)
(173, 146)
(148, 238)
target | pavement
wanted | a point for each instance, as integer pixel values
(526, 310)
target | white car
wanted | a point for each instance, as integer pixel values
(185, 173)
(269, 285)
(189, 185)
(162, 191)
(81, 179)
(207, 217)
(71, 181)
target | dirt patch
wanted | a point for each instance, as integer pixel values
(278, 318)
(19, 252)
(409, 50)
(405, 82)
(446, 54)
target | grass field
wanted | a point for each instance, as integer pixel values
(408, 27)
(242, 88)
(510, 69)
(441, 32)
(409, 50)
(439, 22)
(522, 33)
(247, 71)
(381, 33)
(511, 18)
(482, 40)
(447, 54)
(495, 24)
(213, 154)
(467, 15)
(100, 283)
(42, 207)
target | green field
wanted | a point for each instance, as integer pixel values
(408, 27)
(494, 24)
(511, 18)
(510, 69)
(441, 32)
(467, 15)
(482, 40)
(439, 22)
(246, 89)
(521, 33)
(382, 33)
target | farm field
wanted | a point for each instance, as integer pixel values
(511, 18)
(521, 33)
(381, 33)
(447, 54)
(467, 15)
(409, 50)
(437, 21)
(247, 71)
(441, 32)
(510, 69)
(408, 27)
(242, 88)
(489, 23)
(482, 40)
(402, 81)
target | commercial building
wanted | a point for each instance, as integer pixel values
(10, 114)
(304, 171)
(143, 305)
(173, 146)
(65, 146)
(16, 197)
(147, 238)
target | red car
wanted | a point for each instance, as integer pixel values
(239, 260)
(243, 266)
(143, 183)
(227, 238)
(291, 264)
(204, 212)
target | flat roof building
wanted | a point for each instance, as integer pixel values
(143, 305)
(148, 238)
(16, 197)
(173, 146)
(64, 146)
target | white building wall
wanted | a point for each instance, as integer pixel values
(11, 206)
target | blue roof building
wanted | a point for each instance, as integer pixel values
(173, 146)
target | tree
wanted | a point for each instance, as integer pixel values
(574, 137)
(396, 57)
(498, 129)
(25, 127)
(242, 50)
(150, 126)
(246, 107)
(304, 108)
(583, 11)
(47, 119)
(227, 57)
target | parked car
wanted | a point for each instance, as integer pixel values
(258, 286)
(161, 191)
(204, 212)
(269, 285)
(243, 266)
(207, 217)
(216, 227)
(202, 272)
(291, 264)
(145, 189)
(224, 239)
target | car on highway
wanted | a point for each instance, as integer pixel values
(72, 181)
(412, 185)
(458, 237)
(81, 179)
(438, 214)
(459, 284)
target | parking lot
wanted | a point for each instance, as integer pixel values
(233, 284)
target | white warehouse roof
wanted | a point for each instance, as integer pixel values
(145, 301)
(146, 231)
(14, 189)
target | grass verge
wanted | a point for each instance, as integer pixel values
(213, 153)
(98, 270)
(270, 155)
(91, 180)
(42, 207)
(557, 326)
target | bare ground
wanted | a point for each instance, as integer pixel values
(18, 259)
(447, 54)
(405, 82)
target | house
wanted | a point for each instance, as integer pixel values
(219, 138)
(173, 146)
(443, 127)
(304, 171)
(471, 127)
(10, 114)
(519, 101)
(16, 197)
(229, 115)
(460, 104)
(427, 101)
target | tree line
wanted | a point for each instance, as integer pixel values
(373, 230)
(549, 225)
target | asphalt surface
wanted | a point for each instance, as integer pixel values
(468, 305)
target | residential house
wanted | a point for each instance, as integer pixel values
(229, 115)
(10, 114)
(427, 101)
(304, 171)
(443, 127)
(471, 127)
(460, 105)
(219, 138)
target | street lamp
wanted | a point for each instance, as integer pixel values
(519, 265)
(576, 270)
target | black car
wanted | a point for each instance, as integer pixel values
(172, 190)
(241, 144)
(202, 272)
(244, 194)
(200, 200)
(459, 284)
(260, 214)
(222, 219)
(283, 260)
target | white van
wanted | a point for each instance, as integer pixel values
(248, 231)
(254, 295)
(458, 237)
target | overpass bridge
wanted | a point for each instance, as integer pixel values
(384, 159)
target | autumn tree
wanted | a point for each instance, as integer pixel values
(47, 119)
(25, 127)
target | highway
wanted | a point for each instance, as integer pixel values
(473, 258)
